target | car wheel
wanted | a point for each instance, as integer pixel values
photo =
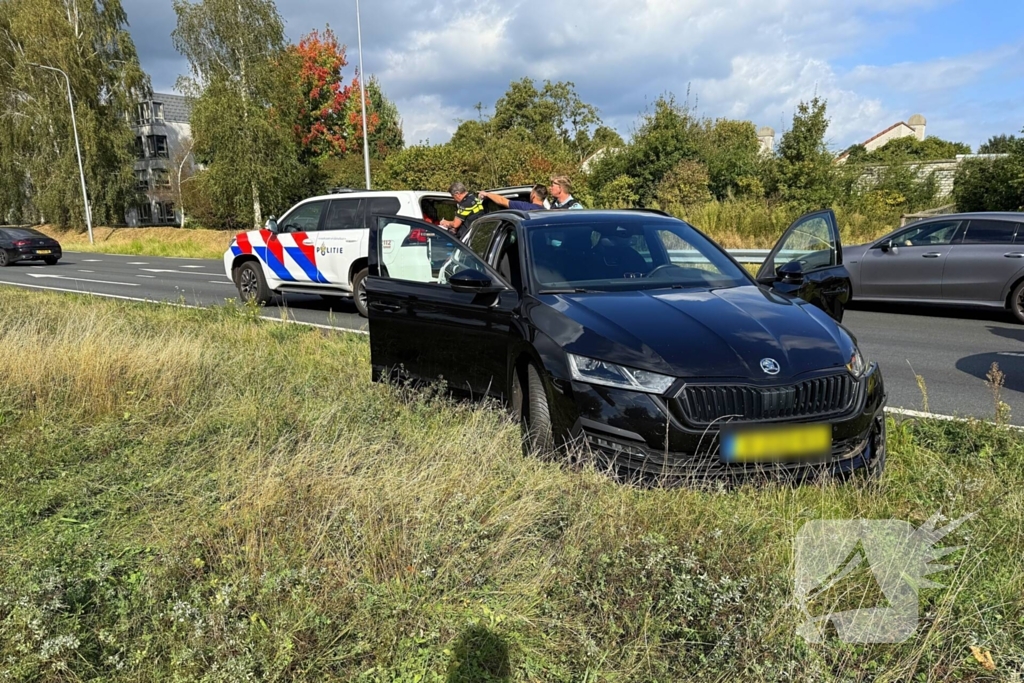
(534, 412)
(359, 292)
(50, 260)
(1017, 301)
(5, 258)
(252, 286)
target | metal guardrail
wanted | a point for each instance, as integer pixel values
(741, 255)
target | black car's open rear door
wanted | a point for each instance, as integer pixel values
(807, 262)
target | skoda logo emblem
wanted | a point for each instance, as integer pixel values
(770, 366)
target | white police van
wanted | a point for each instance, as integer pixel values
(320, 246)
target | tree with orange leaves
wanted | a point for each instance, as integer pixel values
(327, 125)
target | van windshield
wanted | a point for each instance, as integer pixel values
(624, 254)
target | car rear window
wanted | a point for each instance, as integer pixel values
(21, 233)
(989, 232)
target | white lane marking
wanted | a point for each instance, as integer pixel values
(904, 412)
(82, 279)
(138, 263)
(86, 271)
(151, 277)
(193, 266)
(221, 282)
(92, 260)
(120, 297)
(179, 272)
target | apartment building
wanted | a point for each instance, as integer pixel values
(162, 151)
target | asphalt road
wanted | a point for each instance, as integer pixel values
(951, 349)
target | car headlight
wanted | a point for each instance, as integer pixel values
(611, 375)
(857, 365)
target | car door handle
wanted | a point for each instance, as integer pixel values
(1014, 254)
(933, 254)
(385, 308)
(307, 243)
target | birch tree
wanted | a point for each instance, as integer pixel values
(234, 49)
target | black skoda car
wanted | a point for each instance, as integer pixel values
(635, 334)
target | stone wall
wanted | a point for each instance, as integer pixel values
(944, 170)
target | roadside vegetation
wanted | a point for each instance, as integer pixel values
(145, 241)
(204, 495)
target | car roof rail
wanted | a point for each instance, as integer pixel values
(656, 211)
(340, 190)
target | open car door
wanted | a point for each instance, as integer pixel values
(807, 262)
(437, 311)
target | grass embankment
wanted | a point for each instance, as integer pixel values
(145, 241)
(198, 495)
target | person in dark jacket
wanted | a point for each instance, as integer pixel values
(469, 207)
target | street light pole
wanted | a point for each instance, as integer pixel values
(362, 89)
(78, 147)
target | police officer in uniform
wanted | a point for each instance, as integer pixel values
(469, 208)
(560, 192)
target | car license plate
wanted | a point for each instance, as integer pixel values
(777, 443)
(43, 251)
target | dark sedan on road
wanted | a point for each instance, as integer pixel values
(632, 333)
(26, 244)
(969, 259)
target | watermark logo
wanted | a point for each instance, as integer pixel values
(863, 576)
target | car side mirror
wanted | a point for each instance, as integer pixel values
(271, 224)
(791, 273)
(472, 282)
(887, 246)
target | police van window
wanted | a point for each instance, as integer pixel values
(389, 206)
(345, 214)
(305, 218)
(989, 232)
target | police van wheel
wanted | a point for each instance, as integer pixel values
(252, 286)
(359, 292)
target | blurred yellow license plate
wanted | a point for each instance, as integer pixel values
(43, 251)
(773, 444)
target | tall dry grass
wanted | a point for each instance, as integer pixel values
(203, 495)
(145, 241)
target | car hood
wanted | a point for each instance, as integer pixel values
(721, 333)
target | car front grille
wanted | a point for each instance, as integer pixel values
(704, 405)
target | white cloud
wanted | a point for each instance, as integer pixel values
(753, 59)
(947, 73)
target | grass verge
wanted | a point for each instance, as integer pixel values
(202, 495)
(145, 241)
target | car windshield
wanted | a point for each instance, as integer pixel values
(628, 254)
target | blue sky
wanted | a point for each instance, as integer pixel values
(958, 62)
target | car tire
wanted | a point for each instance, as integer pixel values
(50, 260)
(359, 292)
(252, 286)
(5, 258)
(535, 414)
(1017, 301)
